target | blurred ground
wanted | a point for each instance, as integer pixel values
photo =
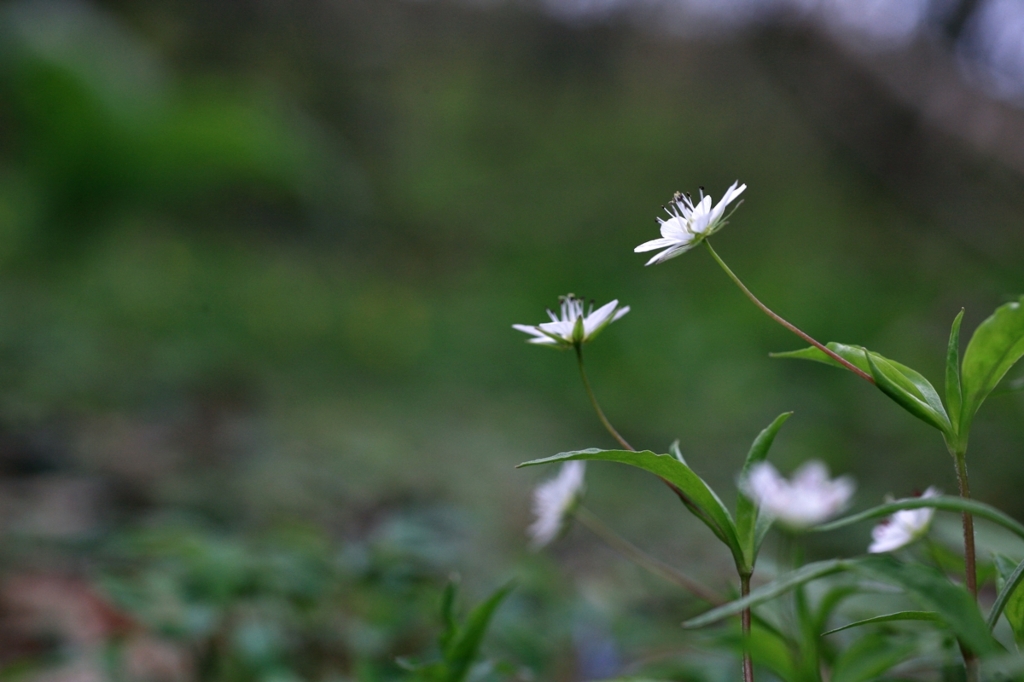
(260, 263)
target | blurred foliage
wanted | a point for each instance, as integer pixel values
(259, 263)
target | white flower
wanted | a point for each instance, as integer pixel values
(810, 498)
(903, 527)
(553, 500)
(574, 325)
(689, 223)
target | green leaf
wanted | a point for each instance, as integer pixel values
(463, 648)
(448, 614)
(770, 649)
(932, 590)
(779, 586)
(869, 657)
(887, 618)
(954, 393)
(831, 600)
(751, 527)
(1010, 600)
(943, 502)
(909, 389)
(676, 452)
(698, 497)
(997, 344)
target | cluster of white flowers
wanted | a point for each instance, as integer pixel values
(809, 499)
(575, 325)
(554, 500)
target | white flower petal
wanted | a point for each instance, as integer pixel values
(553, 500)
(675, 229)
(596, 319)
(655, 244)
(670, 252)
(562, 328)
(702, 207)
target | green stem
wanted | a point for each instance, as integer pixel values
(971, 664)
(642, 559)
(748, 662)
(748, 670)
(785, 323)
(593, 401)
(968, 524)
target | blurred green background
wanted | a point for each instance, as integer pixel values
(259, 263)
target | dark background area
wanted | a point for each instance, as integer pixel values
(259, 263)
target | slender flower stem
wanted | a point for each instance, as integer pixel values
(748, 669)
(642, 559)
(791, 327)
(971, 663)
(593, 401)
(968, 523)
(748, 662)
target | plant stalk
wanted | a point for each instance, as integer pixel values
(748, 668)
(748, 663)
(593, 401)
(971, 663)
(643, 559)
(970, 561)
(785, 323)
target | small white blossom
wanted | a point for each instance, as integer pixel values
(553, 501)
(689, 223)
(574, 325)
(903, 527)
(809, 499)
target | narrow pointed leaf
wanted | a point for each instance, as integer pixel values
(676, 452)
(954, 394)
(771, 650)
(748, 528)
(448, 615)
(943, 502)
(905, 386)
(869, 657)
(887, 618)
(831, 601)
(908, 391)
(779, 586)
(997, 344)
(1010, 600)
(463, 649)
(933, 591)
(698, 496)
(852, 354)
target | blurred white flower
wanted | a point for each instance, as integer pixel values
(553, 501)
(574, 325)
(689, 223)
(903, 527)
(809, 499)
